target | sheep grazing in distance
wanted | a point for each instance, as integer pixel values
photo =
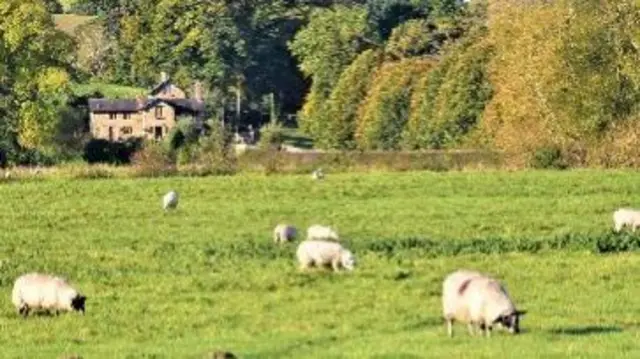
(317, 231)
(36, 291)
(284, 233)
(626, 217)
(323, 253)
(317, 174)
(479, 301)
(170, 200)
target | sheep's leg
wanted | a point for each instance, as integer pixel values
(336, 265)
(471, 328)
(23, 310)
(449, 327)
(487, 330)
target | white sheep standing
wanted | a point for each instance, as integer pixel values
(324, 253)
(170, 200)
(317, 174)
(36, 291)
(626, 217)
(318, 231)
(284, 233)
(479, 301)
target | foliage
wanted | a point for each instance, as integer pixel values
(342, 105)
(271, 136)
(449, 101)
(153, 160)
(34, 59)
(383, 114)
(324, 48)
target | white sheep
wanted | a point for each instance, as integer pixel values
(36, 291)
(170, 200)
(323, 253)
(318, 231)
(479, 301)
(284, 233)
(317, 174)
(626, 217)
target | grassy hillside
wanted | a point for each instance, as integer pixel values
(108, 90)
(181, 284)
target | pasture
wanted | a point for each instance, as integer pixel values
(207, 276)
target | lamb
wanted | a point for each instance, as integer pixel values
(626, 217)
(317, 231)
(317, 174)
(284, 233)
(170, 200)
(478, 300)
(324, 253)
(35, 291)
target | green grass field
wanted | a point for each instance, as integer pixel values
(207, 277)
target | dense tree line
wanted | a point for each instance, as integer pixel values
(534, 78)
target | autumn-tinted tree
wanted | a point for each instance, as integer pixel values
(34, 58)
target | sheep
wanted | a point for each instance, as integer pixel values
(626, 217)
(317, 174)
(220, 354)
(317, 231)
(479, 301)
(323, 253)
(284, 233)
(170, 200)
(35, 291)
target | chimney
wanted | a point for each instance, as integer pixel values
(197, 91)
(163, 76)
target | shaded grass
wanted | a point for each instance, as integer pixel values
(185, 283)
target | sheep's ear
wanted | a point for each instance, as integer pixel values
(520, 312)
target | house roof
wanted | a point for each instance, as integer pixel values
(159, 87)
(106, 105)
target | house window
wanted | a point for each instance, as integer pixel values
(159, 113)
(126, 130)
(158, 132)
(110, 133)
(126, 116)
(113, 116)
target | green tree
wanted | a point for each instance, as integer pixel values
(384, 112)
(342, 105)
(34, 59)
(324, 48)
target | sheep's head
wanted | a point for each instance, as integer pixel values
(511, 321)
(77, 303)
(347, 260)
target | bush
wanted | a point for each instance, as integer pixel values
(271, 136)
(213, 154)
(103, 151)
(153, 160)
(548, 158)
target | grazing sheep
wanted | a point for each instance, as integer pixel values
(317, 231)
(626, 217)
(479, 301)
(170, 200)
(35, 291)
(324, 253)
(284, 233)
(317, 174)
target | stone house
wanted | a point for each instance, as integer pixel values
(150, 117)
